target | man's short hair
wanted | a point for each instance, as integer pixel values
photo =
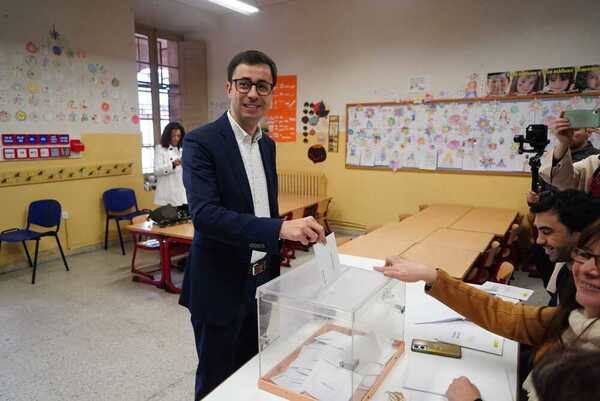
(251, 57)
(575, 209)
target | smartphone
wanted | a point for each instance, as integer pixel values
(436, 348)
(583, 118)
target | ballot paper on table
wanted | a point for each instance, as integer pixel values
(328, 261)
(504, 290)
(433, 374)
(431, 310)
(468, 335)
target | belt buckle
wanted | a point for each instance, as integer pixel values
(257, 267)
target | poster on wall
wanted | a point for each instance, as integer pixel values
(281, 119)
(555, 80)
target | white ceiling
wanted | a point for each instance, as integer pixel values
(191, 18)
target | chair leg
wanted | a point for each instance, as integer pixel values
(37, 247)
(27, 253)
(62, 254)
(120, 236)
(106, 234)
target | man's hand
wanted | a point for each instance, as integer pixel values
(408, 271)
(532, 198)
(176, 163)
(305, 230)
(561, 127)
(462, 389)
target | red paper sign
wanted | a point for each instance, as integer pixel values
(282, 116)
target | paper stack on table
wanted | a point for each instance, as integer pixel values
(326, 370)
(509, 291)
(468, 335)
(433, 374)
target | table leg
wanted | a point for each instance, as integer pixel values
(165, 256)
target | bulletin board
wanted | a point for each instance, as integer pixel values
(455, 135)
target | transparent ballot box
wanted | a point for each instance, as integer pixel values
(331, 338)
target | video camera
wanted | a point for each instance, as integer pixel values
(536, 136)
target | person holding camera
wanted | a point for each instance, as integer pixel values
(562, 171)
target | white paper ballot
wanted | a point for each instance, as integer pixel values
(328, 382)
(468, 335)
(328, 260)
(509, 291)
(431, 310)
(433, 374)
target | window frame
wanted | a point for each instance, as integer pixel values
(153, 60)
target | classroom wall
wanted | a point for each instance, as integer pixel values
(364, 51)
(105, 30)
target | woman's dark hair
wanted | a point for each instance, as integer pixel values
(568, 302)
(251, 57)
(575, 209)
(562, 75)
(582, 75)
(165, 138)
(568, 374)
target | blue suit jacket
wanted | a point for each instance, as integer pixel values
(226, 229)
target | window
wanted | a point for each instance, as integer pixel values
(159, 92)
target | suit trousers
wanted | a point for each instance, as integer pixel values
(222, 349)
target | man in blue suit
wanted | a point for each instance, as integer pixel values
(231, 182)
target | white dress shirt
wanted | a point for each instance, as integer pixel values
(169, 180)
(255, 171)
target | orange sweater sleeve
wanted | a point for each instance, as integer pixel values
(523, 323)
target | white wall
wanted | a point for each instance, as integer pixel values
(364, 50)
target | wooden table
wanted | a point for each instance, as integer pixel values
(374, 246)
(471, 240)
(443, 215)
(297, 203)
(184, 234)
(166, 236)
(487, 220)
(456, 262)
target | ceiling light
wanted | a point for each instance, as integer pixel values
(236, 5)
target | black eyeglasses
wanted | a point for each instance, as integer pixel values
(582, 256)
(244, 85)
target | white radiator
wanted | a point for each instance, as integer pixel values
(302, 183)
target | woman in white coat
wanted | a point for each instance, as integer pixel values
(167, 167)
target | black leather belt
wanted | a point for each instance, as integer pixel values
(257, 267)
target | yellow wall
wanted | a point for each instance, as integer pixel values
(362, 197)
(81, 199)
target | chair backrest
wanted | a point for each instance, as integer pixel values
(505, 272)
(119, 200)
(44, 213)
(310, 211)
(323, 208)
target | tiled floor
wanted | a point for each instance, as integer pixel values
(93, 334)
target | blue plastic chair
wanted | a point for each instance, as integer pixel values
(43, 213)
(117, 203)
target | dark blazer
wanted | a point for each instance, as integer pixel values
(226, 229)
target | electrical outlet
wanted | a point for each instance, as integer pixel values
(65, 215)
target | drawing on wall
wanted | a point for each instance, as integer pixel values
(588, 78)
(314, 122)
(334, 134)
(50, 80)
(473, 136)
(526, 83)
(418, 84)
